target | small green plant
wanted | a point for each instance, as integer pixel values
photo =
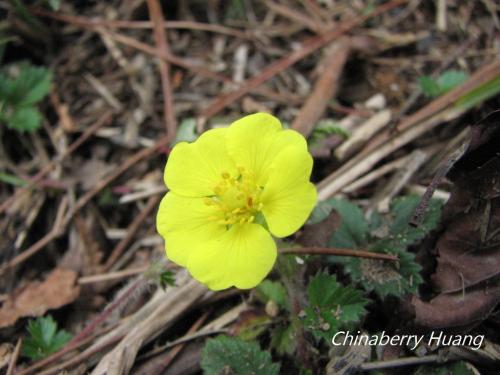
(167, 278)
(332, 306)
(21, 87)
(385, 278)
(44, 338)
(444, 83)
(274, 291)
(325, 128)
(230, 355)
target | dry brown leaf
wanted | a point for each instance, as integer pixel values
(455, 310)
(6, 351)
(35, 298)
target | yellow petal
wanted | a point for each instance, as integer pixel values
(242, 257)
(185, 225)
(193, 169)
(288, 197)
(255, 140)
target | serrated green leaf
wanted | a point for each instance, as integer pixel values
(394, 278)
(283, 339)
(353, 231)
(44, 338)
(457, 368)
(25, 119)
(272, 290)
(233, 354)
(402, 209)
(31, 85)
(332, 306)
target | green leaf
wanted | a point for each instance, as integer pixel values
(394, 278)
(320, 212)
(167, 278)
(272, 291)
(332, 306)
(324, 128)
(54, 4)
(44, 338)
(444, 83)
(480, 94)
(283, 339)
(186, 131)
(385, 277)
(457, 368)
(353, 231)
(451, 79)
(429, 86)
(236, 357)
(25, 119)
(12, 180)
(31, 85)
(402, 209)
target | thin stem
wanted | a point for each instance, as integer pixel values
(339, 252)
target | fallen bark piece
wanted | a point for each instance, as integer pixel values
(36, 298)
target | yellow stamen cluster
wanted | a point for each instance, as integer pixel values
(235, 199)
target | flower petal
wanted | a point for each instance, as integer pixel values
(242, 257)
(255, 140)
(288, 197)
(193, 169)
(185, 225)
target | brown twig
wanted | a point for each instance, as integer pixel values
(14, 357)
(106, 313)
(127, 24)
(131, 231)
(177, 349)
(308, 47)
(80, 203)
(156, 15)
(56, 231)
(324, 89)
(101, 121)
(338, 252)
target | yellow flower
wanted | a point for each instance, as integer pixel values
(229, 191)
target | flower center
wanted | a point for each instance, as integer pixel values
(235, 200)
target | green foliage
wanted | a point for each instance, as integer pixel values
(457, 368)
(167, 278)
(325, 128)
(320, 212)
(480, 94)
(383, 277)
(332, 306)
(283, 339)
(44, 338)
(186, 131)
(20, 91)
(272, 291)
(444, 83)
(353, 230)
(11, 179)
(234, 356)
